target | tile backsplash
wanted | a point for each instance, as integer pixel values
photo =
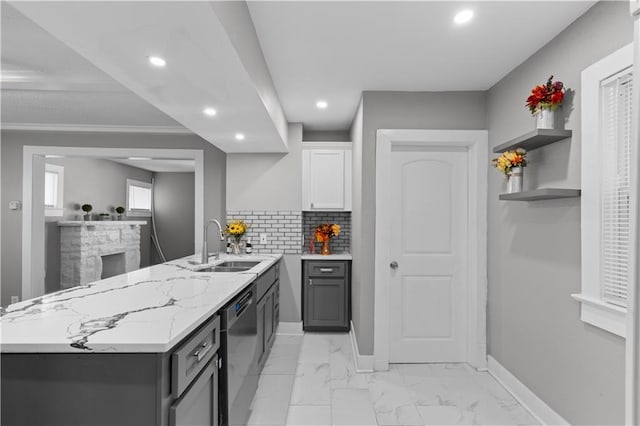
(283, 229)
(288, 231)
(339, 244)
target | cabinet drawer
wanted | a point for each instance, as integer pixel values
(326, 269)
(193, 355)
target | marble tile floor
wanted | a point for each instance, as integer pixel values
(311, 380)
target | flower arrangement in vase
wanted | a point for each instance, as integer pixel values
(86, 208)
(235, 230)
(544, 100)
(120, 210)
(324, 233)
(512, 164)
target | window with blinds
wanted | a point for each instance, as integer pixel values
(616, 98)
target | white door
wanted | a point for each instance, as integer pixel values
(428, 289)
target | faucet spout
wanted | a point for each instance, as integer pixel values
(204, 256)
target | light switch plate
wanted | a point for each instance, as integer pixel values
(15, 205)
(15, 299)
(263, 238)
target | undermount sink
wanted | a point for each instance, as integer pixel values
(230, 266)
(238, 264)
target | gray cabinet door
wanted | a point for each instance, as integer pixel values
(325, 302)
(198, 406)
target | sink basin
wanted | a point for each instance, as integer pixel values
(231, 266)
(222, 269)
(238, 264)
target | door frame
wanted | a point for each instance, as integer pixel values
(33, 262)
(476, 144)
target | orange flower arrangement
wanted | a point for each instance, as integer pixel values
(327, 231)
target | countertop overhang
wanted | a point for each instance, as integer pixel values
(149, 310)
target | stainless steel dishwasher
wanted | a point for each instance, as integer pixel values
(239, 372)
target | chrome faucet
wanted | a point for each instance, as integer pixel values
(205, 251)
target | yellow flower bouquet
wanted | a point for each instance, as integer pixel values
(236, 229)
(510, 159)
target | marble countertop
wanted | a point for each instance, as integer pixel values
(148, 310)
(335, 256)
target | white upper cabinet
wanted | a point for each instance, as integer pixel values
(326, 176)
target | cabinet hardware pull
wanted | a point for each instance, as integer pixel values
(326, 269)
(310, 281)
(200, 353)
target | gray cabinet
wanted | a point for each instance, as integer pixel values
(268, 313)
(198, 406)
(177, 388)
(326, 292)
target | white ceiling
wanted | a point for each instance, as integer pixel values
(314, 50)
(205, 47)
(44, 82)
(336, 50)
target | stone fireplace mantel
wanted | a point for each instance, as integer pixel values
(84, 243)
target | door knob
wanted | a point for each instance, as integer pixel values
(393, 265)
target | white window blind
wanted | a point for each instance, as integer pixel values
(50, 189)
(616, 95)
(139, 196)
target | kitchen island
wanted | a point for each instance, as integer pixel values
(102, 353)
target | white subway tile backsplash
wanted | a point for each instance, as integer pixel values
(282, 227)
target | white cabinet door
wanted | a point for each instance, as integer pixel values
(326, 179)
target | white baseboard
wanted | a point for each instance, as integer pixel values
(529, 400)
(364, 363)
(294, 328)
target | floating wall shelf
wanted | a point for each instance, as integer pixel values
(535, 139)
(541, 194)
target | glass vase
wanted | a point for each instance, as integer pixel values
(326, 247)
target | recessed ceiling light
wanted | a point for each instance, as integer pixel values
(209, 111)
(240, 136)
(463, 16)
(157, 61)
(322, 104)
(139, 158)
(53, 156)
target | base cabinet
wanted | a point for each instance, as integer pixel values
(177, 388)
(326, 290)
(199, 404)
(268, 318)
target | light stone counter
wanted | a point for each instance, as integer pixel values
(148, 310)
(335, 256)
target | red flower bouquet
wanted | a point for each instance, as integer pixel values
(548, 96)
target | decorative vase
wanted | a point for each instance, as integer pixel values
(545, 119)
(514, 180)
(236, 247)
(87, 217)
(326, 249)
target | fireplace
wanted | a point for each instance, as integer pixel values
(91, 251)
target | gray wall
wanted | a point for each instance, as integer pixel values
(174, 202)
(394, 110)
(534, 326)
(11, 182)
(101, 183)
(326, 136)
(272, 182)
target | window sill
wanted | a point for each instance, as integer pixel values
(52, 212)
(134, 213)
(602, 315)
